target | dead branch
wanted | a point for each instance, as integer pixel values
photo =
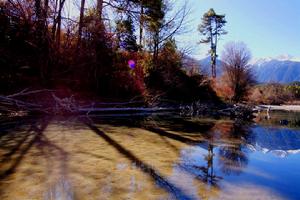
(65, 104)
(25, 92)
(11, 106)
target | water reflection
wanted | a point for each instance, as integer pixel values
(233, 158)
(153, 157)
(279, 118)
(224, 143)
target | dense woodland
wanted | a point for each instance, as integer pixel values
(112, 49)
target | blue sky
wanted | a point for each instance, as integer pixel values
(270, 28)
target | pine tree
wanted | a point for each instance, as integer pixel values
(212, 27)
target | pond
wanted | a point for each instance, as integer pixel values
(150, 157)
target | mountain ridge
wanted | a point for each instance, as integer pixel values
(280, 70)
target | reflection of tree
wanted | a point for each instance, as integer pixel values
(208, 175)
(232, 157)
(205, 173)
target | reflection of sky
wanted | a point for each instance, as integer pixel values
(276, 138)
(184, 174)
(266, 171)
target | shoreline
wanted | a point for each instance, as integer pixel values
(295, 108)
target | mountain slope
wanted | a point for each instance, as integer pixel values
(205, 66)
(265, 70)
(277, 71)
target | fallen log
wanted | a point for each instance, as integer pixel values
(54, 105)
(25, 92)
(126, 110)
(51, 104)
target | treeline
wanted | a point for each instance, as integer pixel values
(276, 93)
(115, 49)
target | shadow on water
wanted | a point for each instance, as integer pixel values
(189, 132)
(7, 125)
(164, 133)
(18, 141)
(159, 179)
(21, 143)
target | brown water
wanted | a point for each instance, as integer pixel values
(147, 158)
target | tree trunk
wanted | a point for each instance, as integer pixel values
(38, 9)
(212, 54)
(100, 8)
(46, 10)
(58, 30)
(80, 23)
(141, 24)
(54, 20)
(41, 38)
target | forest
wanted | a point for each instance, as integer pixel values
(53, 52)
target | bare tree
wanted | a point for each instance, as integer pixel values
(173, 23)
(238, 73)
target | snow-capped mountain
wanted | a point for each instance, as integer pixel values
(282, 69)
(285, 57)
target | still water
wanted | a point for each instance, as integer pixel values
(150, 157)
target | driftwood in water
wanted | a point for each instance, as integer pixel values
(51, 103)
(236, 111)
(14, 107)
(239, 111)
(68, 105)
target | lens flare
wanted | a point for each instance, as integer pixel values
(131, 64)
